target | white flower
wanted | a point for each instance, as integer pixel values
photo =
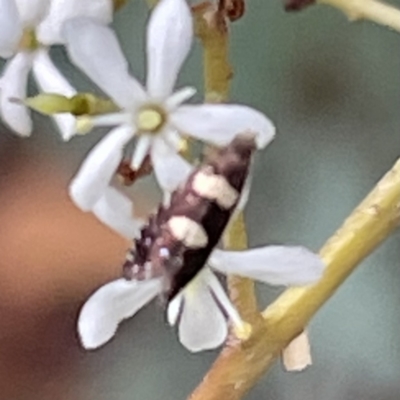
(155, 116)
(202, 308)
(26, 26)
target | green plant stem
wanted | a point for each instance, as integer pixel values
(213, 32)
(373, 10)
(241, 364)
(241, 290)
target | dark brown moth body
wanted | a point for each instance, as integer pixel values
(180, 237)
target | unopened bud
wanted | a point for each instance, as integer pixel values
(89, 104)
(47, 103)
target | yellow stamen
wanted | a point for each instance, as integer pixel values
(150, 120)
(28, 40)
(184, 147)
(242, 331)
(84, 125)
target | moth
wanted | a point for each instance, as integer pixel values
(180, 236)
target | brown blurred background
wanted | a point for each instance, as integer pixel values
(51, 255)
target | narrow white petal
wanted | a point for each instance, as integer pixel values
(94, 48)
(50, 80)
(179, 97)
(244, 196)
(115, 210)
(66, 124)
(170, 168)
(173, 139)
(224, 301)
(110, 119)
(108, 306)
(10, 28)
(95, 174)
(220, 123)
(174, 309)
(169, 37)
(49, 31)
(13, 85)
(277, 265)
(202, 325)
(141, 150)
(32, 12)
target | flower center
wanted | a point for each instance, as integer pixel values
(29, 40)
(151, 119)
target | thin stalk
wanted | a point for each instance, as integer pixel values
(241, 364)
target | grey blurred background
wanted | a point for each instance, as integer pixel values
(333, 90)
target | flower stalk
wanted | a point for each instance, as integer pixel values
(212, 28)
(240, 365)
(241, 290)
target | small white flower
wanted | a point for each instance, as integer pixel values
(155, 116)
(38, 22)
(202, 309)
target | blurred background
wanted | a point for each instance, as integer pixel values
(333, 90)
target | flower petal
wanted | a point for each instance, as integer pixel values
(202, 325)
(49, 31)
(179, 97)
(108, 306)
(49, 77)
(96, 172)
(31, 12)
(141, 150)
(10, 28)
(94, 48)
(170, 168)
(50, 80)
(174, 309)
(241, 328)
(169, 37)
(244, 196)
(66, 124)
(13, 85)
(277, 265)
(220, 123)
(116, 211)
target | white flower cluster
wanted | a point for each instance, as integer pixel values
(27, 30)
(156, 118)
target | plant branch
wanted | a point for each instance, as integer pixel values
(241, 290)
(241, 364)
(212, 29)
(373, 10)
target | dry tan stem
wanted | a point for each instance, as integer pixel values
(372, 10)
(240, 365)
(297, 355)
